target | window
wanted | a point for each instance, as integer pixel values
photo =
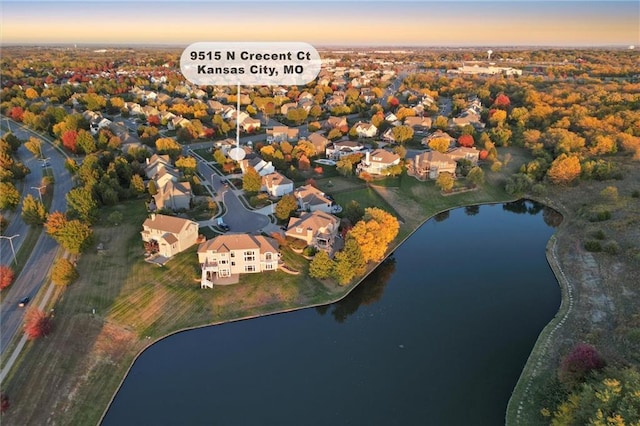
(267, 256)
(249, 268)
(268, 266)
(233, 263)
(249, 256)
(233, 254)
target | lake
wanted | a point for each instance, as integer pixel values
(437, 335)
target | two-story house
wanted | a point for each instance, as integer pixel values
(316, 228)
(235, 253)
(312, 199)
(277, 184)
(172, 234)
(376, 162)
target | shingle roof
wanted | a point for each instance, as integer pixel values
(233, 241)
(166, 223)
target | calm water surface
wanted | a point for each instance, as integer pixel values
(438, 335)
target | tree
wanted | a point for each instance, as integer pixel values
(137, 184)
(353, 211)
(401, 151)
(168, 146)
(63, 272)
(502, 101)
(321, 266)
(33, 211)
(31, 93)
(186, 164)
(564, 169)
(466, 141)
(219, 156)
(334, 134)
(441, 122)
(445, 181)
(609, 397)
(374, 233)
(439, 144)
(85, 142)
(401, 134)
(251, 180)
(9, 196)
(55, 222)
(69, 138)
(81, 204)
(152, 188)
(349, 262)
(75, 236)
(34, 146)
(37, 324)
(344, 167)
(6, 276)
(577, 364)
(475, 176)
(286, 207)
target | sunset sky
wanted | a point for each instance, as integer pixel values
(411, 23)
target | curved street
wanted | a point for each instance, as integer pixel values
(36, 269)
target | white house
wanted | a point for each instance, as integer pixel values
(311, 199)
(376, 162)
(277, 184)
(365, 130)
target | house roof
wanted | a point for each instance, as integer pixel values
(239, 241)
(170, 238)
(317, 221)
(429, 157)
(311, 195)
(383, 156)
(274, 179)
(166, 223)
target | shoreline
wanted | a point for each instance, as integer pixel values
(348, 291)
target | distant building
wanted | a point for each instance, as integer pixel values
(173, 234)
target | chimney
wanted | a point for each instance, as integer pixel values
(366, 158)
(153, 216)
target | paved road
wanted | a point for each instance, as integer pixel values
(236, 216)
(37, 266)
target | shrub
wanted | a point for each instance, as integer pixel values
(37, 324)
(593, 246)
(611, 247)
(600, 216)
(309, 251)
(582, 360)
(598, 235)
(635, 194)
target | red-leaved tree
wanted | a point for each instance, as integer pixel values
(582, 359)
(69, 140)
(37, 324)
(16, 113)
(311, 182)
(153, 120)
(483, 154)
(502, 101)
(6, 276)
(466, 140)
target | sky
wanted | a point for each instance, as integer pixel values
(323, 23)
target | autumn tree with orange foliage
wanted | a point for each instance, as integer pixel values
(37, 324)
(466, 141)
(564, 169)
(6, 276)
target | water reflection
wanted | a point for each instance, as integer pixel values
(441, 217)
(523, 206)
(472, 210)
(366, 293)
(551, 217)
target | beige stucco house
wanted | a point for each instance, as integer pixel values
(173, 234)
(317, 228)
(233, 254)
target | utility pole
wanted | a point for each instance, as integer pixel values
(39, 188)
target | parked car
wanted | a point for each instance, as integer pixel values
(23, 302)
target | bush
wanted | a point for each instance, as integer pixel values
(593, 246)
(600, 216)
(635, 194)
(611, 247)
(598, 235)
(309, 251)
(578, 363)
